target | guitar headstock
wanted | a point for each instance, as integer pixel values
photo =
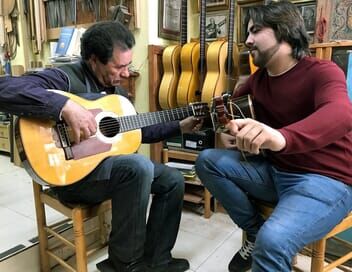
(219, 112)
(199, 109)
(224, 108)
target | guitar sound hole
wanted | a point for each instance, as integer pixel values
(109, 126)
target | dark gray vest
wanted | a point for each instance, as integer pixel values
(82, 81)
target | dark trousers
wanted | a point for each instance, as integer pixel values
(128, 181)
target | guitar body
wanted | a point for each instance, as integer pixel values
(44, 158)
(188, 84)
(215, 79)
(168, 85)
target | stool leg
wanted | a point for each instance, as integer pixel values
(318, 254)
(41, 224)
(80, 242)
(102, 228)
(207, 199)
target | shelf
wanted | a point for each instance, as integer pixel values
(193, 198)
(199, 196)
(194, 181)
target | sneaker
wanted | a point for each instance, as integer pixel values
(175, 265)
(242, 261)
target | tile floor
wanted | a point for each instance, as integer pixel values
(18, 224)
(207, 243)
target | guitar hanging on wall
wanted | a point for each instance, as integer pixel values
(192, 66)
(171, 65)
(232, 61)
(222, 58)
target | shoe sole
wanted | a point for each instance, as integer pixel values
(106, 266)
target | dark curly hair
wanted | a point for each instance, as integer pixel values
(286, 21)
(101, 38)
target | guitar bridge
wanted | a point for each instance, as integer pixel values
(64, 139)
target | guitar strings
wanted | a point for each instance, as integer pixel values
(242, 115)
(114, 125)
(131, 122)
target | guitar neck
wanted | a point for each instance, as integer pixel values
(230, 60)
(183, 36)
(132, 122)
(202, 43)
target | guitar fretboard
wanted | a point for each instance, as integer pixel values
(132, 122)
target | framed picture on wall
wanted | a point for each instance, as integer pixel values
(212, 5)
(340, 23)
(242, 11)
(215, 26)
(169, 19)
(308, 9)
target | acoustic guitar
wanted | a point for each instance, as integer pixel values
(221, 69)
(224, 108)
(171, 66)
(49, 155)
(192, 66)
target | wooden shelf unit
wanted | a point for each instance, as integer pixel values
(168, 154)
(5, 137)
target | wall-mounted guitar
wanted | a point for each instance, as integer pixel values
(49, 155)
(222, 64)
(224, 108)
(192, 66)
(171, 65)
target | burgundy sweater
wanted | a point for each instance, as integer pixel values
(309, 105)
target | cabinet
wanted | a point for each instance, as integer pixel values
(83, 14)
(191, 157)
(4, 137)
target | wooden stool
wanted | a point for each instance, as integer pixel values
(318, 247)
(77, 213)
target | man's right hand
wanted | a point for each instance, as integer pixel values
(81, 121)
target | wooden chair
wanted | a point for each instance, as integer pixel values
(318, 247)
(78, 214)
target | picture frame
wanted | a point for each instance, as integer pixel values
(214, 5)
(308, 9)
(216, 25)
(339, 22)
(242, 10)
(169, 19)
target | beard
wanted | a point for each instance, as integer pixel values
(261, 58)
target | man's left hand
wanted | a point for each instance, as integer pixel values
(191, 124)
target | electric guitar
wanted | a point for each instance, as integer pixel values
(49, 155)
(171, 65)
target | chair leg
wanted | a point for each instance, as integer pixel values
(80, 242)
(41, 224)
(318, 254)
(102, 228)
(207, 199)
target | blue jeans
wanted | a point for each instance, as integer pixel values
(308, 205)
(128, 181)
